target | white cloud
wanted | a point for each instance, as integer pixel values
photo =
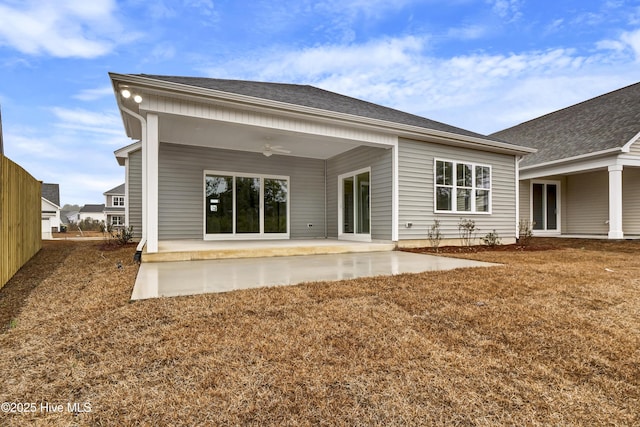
(206, 7)
(480, 91)
(469, 32)
(629, 41)
(507, 9)
(63, 28)
(93, 94)
(88, 121)
(162, 52)
(61, 155)
(632, 40)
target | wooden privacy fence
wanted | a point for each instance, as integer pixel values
(20, 218)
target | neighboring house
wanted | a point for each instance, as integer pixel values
(585, 177)
(232, 160)
(50, 207)
(94, 213)
(115, 210)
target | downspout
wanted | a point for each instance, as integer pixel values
(143, 129)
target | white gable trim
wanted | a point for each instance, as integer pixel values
(627, 147)
(50, 203)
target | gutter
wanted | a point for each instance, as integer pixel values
(573, 159)
(143, 125)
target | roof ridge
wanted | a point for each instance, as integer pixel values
(355, 106)
(569, 107)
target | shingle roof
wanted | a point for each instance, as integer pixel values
(605, 122)
(51, 192)
(311, 96)
(92, 208)
(116, 190)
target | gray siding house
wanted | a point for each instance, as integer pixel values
(585, 177)
(231, 160)
(115, 211)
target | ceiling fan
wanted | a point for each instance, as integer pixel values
(269, 149)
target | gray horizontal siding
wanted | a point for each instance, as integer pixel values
(525, 201)
(380, 161)
(416, 191)
(135, 193)
(587, 203)
(181, 187)
(631, 200)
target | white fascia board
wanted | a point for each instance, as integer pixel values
(627, 147)
(50, 203)
(123, 153)
(569, 167)
(414, 132)
(629, 160)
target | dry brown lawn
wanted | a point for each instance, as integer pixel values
(549, 338)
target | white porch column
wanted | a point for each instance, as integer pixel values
(615, 202)
(152, 182)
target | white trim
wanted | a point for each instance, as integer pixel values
(245, 236)
(628, 160)
(627, 147)
(563, 169)
(124, 152)
(358, 237)
(126, 191)
(454, 187)
(560, 166)
(50, 202)
(544, 231)
(128, 149)
(517, 160)
(153, 147)
(395, 193)
(615, 202)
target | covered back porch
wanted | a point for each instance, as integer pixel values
(213, 176)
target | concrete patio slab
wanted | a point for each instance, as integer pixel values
(168, 279)
(194, 250)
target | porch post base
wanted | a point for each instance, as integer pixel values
(616, 235)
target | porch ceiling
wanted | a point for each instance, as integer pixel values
(215, 134)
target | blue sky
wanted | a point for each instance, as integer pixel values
(483, 65)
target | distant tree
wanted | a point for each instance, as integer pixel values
(70, 208)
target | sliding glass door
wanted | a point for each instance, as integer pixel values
(545, 207)
(355, 205)
(246, 206)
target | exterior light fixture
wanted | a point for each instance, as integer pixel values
(137, 99)
(126, 93)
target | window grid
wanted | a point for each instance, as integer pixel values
(462, 187)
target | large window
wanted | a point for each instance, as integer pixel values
(462, 187)
(247, 205)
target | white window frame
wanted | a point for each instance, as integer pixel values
(545, 231)
(245, 236)
(454, 188)
(358, 237)
(117, 201)
(119, 222)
